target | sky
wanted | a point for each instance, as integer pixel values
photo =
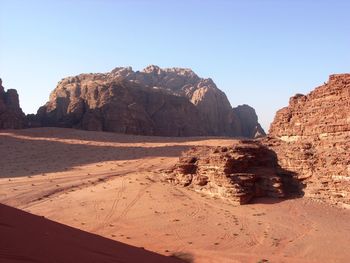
(259, 52)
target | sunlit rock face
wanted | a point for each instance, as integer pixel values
(154, 101)
(312, 138)
(236, 174)
(11, 115)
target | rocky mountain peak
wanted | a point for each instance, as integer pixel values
(11, 115)
(104, 99)
(152, 69)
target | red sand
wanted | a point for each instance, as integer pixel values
(30, 238)
(110, 185)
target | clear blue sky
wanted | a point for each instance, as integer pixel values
(258, 52)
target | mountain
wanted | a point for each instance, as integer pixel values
(154, 101)
(11, 115)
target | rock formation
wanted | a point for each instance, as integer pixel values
(312, 138)
(155, 101)
(306, 152)
(11, 115)
(249, 125)
(238, 173)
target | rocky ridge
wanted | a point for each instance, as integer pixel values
(154, 101)
(11, 115)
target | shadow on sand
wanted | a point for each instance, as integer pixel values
(46, 150)
(83, 135)
(31, 156)
(29, 238)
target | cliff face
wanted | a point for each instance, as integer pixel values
(249, 125)
(307, 152)
(312, 138)
(155, 101)
(11, 115)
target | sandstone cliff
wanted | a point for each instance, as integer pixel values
(307, 152)
(11, 115)
(155, 101)
(312, 138)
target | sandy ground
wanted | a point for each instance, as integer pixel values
(111, 185)
(30, 238)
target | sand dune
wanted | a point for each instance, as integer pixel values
(29, 238)
(111, 185)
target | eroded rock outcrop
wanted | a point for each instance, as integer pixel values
(249, 125)
(306, 152)
(312, 138)
(11, 115)
(155, 101)
(238, 173)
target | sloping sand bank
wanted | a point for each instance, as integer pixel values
(30, 238)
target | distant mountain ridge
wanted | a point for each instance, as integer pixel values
(11, 115)
(154, 101)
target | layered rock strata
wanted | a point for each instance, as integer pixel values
(238, 173)
(312, 138)
(155, 101)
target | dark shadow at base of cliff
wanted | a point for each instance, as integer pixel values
(290, 185)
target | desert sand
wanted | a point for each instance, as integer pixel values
(111, 185)
(30, 238)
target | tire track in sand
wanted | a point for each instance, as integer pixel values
(117, 199)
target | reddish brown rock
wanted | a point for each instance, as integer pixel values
(155, 101)
(97, 105)
(238, 173)
(11, 115)
(312, 138)
(249, 125)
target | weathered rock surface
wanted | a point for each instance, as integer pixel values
(308, 145)
(238, 173)
(155, 101)
(11, 115)
(249, 125)
(312, 138)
